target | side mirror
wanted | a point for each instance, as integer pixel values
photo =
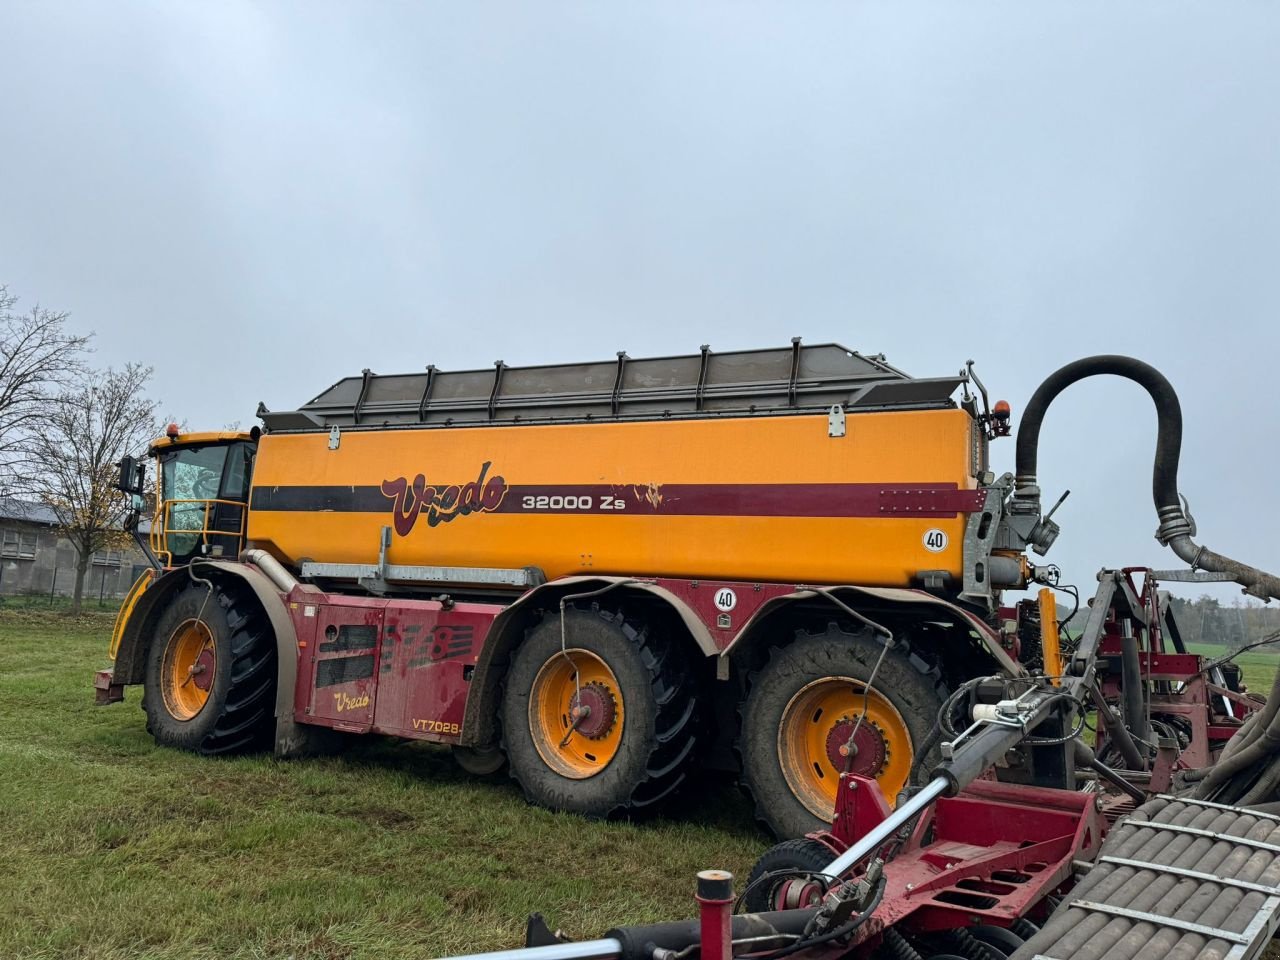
(132, 475)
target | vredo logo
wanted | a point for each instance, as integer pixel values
(442, 504)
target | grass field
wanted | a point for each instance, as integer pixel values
(112, 847)
(1258, 667)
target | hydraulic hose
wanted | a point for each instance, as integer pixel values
(1140, 872)
(1175, 528)
(1116, 729)
(1085, 757)
(1259, 741)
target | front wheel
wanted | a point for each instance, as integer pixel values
(814, 710)
(601, 721)
(210, 684)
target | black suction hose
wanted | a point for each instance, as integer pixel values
(1164, 479)
(1175, 528)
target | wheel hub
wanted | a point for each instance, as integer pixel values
(601, 710)
(798, 892)
(188, 667)
(869, 749)
(202, 670)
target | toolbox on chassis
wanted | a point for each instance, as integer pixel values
(604, 575)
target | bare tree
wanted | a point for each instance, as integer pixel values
(84, 433)
(39, 358)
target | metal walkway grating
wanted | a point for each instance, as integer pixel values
(1178, 879)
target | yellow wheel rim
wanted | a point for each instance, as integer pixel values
(187, 669)
(576, 714)
(813, 742)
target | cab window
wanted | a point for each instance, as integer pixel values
(190, 476)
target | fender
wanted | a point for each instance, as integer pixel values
(291, 739)
(479, 720)
(130, 661)
(856, 598)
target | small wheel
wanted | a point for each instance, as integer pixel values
(479, 761)
(606, 724)
(810, 708)
(982, 942)
(1000, 939)
(210, 682)
(787, 863)
(1024, 928)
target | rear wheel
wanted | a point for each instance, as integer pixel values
(211, 674)
(811, 713)
(603, 724)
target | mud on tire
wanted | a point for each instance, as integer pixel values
(911, 686)
(239, 713)
(659, 710)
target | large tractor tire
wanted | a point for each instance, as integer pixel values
(804, 706)
(632, 747)
(210, 685)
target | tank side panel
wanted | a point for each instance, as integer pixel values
(747, 499)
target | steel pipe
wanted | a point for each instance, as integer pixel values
(605, 949)
(273, 568)
(873, 840)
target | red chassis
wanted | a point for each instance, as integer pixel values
(404, 667)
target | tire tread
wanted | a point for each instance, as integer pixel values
(674, 740)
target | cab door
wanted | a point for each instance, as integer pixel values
(344, 665)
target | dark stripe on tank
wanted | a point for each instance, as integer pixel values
(670, 499)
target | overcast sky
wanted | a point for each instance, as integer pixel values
(258, 199)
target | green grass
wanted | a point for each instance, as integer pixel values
(113, 848)
(1258, 666)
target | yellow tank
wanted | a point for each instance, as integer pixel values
(723, 492)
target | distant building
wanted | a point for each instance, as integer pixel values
(34, 559)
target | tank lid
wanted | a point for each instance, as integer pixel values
(795, 379)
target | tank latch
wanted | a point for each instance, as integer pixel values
(335, 437)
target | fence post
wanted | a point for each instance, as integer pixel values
(53, 584)
(102, 586)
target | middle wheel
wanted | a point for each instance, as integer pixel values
(602, 719)
(815, 711)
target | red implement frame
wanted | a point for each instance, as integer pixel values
(989, 855)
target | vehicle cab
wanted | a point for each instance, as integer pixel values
(201, 493)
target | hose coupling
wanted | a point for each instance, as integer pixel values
(1172, 529)
(1026, 497)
